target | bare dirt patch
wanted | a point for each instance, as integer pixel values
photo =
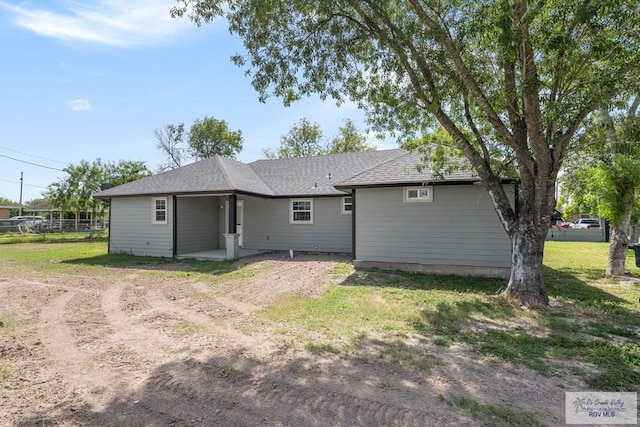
(133, 348)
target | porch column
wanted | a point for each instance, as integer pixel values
(231, 239)
(233, 213)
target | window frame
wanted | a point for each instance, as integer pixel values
(343, 204)
(407, 199)
(292, 211)
(155, 210)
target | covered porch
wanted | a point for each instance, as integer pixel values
(209, 227)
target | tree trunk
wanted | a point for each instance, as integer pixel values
(618, 244)
(526, 284)
(617, 252)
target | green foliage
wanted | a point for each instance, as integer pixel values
(511, 82)
(304, 139)
(75, 191)
(604, 173)
(348, 140)
(7, 202)
(212, 137)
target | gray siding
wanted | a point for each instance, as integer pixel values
(131, 229)
(460, 228)
(198, 220)
(266, 226)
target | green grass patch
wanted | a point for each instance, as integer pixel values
(7, 325)
(5, 372)
(53, 237)
(495, 415)
(371, 314)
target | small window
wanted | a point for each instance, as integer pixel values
(301, 212)
(347, 205)
(418, 194)
(159, 207)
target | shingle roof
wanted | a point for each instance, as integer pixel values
(300, 176)
(215, 174)
(403, 169)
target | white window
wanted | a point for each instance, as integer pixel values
(159, 210)
(301, 211)
(347, 205)
(418, 194)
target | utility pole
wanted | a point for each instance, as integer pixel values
(20, 208)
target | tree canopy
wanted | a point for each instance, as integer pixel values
(602, 178)
(75, 191)
(305, 139)
(212, 137)
(206, 138)
(508, 80)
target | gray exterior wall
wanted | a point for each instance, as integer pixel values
(459, 228)
(198, 224)
(266, 226)
(131, 229)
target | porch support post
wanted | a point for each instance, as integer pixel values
(233, 213)
(233, 250)
(231, 239)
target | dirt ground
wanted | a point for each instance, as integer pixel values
(140, 349)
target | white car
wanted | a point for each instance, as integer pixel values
(585, 223)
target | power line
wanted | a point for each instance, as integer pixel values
(31, 163)
(18, 182)
(32, 155)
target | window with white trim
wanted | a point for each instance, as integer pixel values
(347, 205)
(418, 194)
(301, 211)
(159, 210)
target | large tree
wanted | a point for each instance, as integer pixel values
(604, 175)
(348, 140)
(304, 139)
(506, 78)
(75, 191)
(212, 137)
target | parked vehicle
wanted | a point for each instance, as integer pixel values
(582, 223)
(34, 220)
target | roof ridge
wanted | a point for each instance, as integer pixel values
(225, 172)
(401, 153)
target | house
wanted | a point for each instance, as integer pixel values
(375, 205)
(5, 211)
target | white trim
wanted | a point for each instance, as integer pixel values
(291, 211)
(155, 210)
(343, 204)
(422, 194)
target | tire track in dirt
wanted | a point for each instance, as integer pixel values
(249, 400)
(75, 365)
(159, 302)
(131, 333)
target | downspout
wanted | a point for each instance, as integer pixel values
(175, 226)
(353, 224)
(108, 231)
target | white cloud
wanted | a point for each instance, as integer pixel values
(121, 23)
(80, 105)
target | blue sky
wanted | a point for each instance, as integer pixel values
(94, 79)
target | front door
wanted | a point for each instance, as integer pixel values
(240, 221)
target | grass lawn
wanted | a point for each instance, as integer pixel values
(592, 331)
(596, 322)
